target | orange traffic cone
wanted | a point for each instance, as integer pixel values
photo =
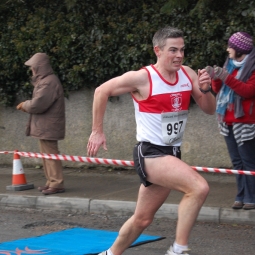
(18, 175)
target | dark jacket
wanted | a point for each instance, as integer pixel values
(47, 106)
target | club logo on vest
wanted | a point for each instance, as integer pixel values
(176, 101)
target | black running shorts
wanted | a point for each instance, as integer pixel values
(147, 150)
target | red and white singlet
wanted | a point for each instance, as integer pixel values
(161, 118)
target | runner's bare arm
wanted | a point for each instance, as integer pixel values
(206, 101)
(133, 81)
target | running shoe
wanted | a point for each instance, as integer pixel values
(171, 252)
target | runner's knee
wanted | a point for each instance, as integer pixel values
(143, 222)
(203, 189)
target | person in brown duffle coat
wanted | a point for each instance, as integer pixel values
(47, 118)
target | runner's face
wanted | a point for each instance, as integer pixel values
(173, 53)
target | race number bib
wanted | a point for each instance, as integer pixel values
(173, 125)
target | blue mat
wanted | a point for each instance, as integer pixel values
(75, 241)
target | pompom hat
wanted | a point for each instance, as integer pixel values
(241, 42)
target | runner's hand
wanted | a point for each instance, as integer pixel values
(96, 140)
(204, 79)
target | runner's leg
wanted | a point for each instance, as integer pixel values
(172, 173)
(149, 201)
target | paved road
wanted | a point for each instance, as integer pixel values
(103, 198)
(206, 238)
(114, 192)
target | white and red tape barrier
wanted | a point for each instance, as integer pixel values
(117, 162)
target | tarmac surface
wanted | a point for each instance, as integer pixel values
(113, 191)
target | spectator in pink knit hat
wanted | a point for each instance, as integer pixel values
(241, 42)
(235, 88)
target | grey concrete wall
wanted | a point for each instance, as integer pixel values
(202, 145)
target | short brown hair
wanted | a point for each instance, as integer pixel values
(162, 34)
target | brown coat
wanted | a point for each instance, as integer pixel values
(47, 106)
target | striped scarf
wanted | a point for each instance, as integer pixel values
(226, 97)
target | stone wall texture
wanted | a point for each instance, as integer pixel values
(202, 144)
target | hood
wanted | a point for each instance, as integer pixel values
(40, 62)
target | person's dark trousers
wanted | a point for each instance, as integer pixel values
(243, 158)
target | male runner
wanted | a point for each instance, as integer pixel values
(161, 95)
